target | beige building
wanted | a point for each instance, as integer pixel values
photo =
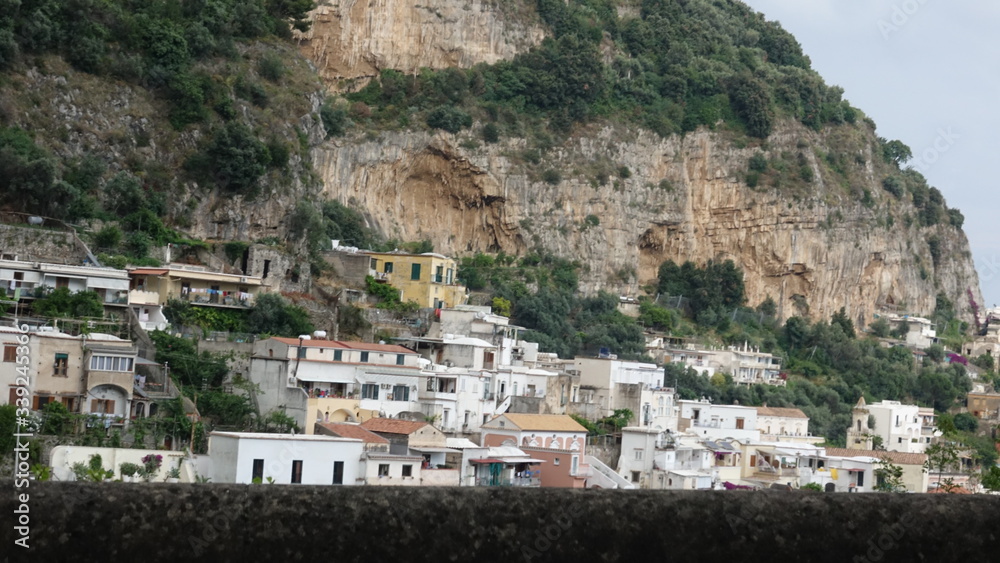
(984, 405)
(196, 285)
(93, 374)
(428, 279)
(785, 425)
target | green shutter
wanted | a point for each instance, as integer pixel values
(415, 272)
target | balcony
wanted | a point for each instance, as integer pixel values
(217, 298)
(140, 297)
(125, 380)
(515, 482)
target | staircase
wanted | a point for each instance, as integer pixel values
(604, 477)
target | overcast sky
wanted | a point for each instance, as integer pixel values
(928, 73)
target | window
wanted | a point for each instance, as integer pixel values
(338, 355)
(102, 406)
(383, 470)
(439, 274)
(574, 465)
(18, 276)
(338, 473)
(635, 476)
(415, 271)
(297, 471)
(555, 461)
(407, 471)
(369, 391)
(399, 359)
(900, 440)
(450, 277)
(400, 392)
(258, 469)
(387, 268)
(61, 365)
(861, 478)
(638, 455)
(739, 424)
(364, 357)
(111, 363)
(10, 353)
(302, 352)
(62, 282)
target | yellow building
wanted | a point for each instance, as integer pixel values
(429, 278)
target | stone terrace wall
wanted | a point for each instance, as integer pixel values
(216, 522)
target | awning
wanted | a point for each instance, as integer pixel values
(516, 460)
(436, 450)
(485, 460)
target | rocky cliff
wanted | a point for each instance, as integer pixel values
(836, 240)
(355, 39)
(685, 199)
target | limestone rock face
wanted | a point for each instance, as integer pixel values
(684, 198)
(357, 38)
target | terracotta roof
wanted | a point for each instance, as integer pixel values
(777, 411)
(392, 425)
(956, 490)
(900, 458)
(544, 422)
(345, 430)
(348, 345)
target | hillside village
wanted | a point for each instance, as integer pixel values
(124, 384)
(592, 244)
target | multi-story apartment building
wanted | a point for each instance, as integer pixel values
(25, 281)
(717, 422)
(902, 428)
(428, 278)
(747, 365)
(91, 374)
(330, 380)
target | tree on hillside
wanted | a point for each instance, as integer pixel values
(888, 477)
(941, 457)
(273, 315)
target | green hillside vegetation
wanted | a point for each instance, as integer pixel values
(674, 67)
(221, 67)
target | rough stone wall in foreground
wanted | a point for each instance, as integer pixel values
(215, 522)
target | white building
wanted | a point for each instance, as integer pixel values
(24, 278)
(902, 428)
(246, 457)
(607, 385)
(310, 379)
(747, 365)
(718, 422)
(920, 332)
(654, 459)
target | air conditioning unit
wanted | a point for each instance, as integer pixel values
(243, 280)
(293, 381)
(37, 265)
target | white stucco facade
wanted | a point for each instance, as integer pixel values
(239, 457)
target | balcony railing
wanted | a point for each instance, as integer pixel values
(515, 482)
(220, 298)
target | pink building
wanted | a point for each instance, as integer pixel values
(558, 440)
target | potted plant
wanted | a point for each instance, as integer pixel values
(129, 471)
(174, 475)
(150, 466)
